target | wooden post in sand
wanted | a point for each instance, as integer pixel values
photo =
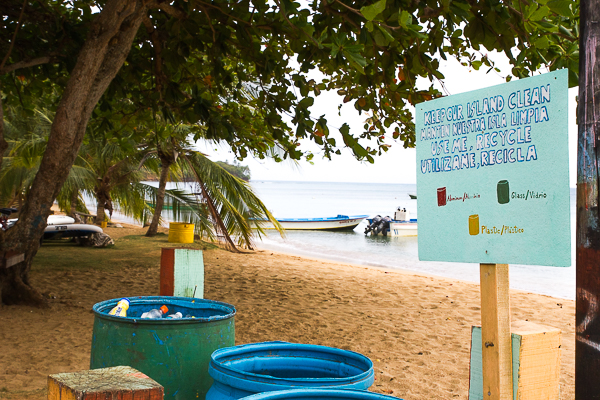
(496, 345)
(182, 273)
(587, 314)
(118, 383)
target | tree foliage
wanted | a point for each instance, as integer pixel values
(246, 73)
(196, 61)
(236, 169)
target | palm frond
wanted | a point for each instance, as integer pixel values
(236, 205)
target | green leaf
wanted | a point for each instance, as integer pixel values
(372, 11)
(541, 43)
(547, 26)
(540, 13)
(386, 34)
(404, 18)
(565, 31)
(306, 102)
(357, 60)
(561, 7)
(380, 39)
(345, 129)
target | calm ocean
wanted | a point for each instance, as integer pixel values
(328, 199)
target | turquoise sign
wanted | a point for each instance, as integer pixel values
(493, 174)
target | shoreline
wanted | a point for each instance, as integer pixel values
(400, 271)
(309, 258)
(333, 260)
(259, 245)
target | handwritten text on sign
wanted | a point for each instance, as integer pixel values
(492, 174)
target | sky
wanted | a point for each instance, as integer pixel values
(398, 165)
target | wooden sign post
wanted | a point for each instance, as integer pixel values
(493, 189)
(496, 345)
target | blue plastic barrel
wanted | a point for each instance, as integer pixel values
(244, 370)
(173, 352)
(320, 394)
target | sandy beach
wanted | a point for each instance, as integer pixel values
(415, 328)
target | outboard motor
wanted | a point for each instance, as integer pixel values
(383, 226)
(374, 223)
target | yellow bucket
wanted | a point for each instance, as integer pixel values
(103, 224)
(180, 232)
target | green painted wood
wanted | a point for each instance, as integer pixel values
(476, 375)
(188, 273)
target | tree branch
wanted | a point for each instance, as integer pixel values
(214, 34)
(354, 10)
(12, 42)
(172, 10)
(157, 45)
(223, 12)
(295, 27)
(25, 64)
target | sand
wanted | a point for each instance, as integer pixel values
(415, 328)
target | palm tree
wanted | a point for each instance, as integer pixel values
(26, 135)
(222, 208)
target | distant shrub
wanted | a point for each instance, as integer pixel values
(235, 169)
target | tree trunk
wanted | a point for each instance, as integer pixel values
(15, 287)
(73, 206)
(100, 212)
(3, 142)
(587, 312)
(160, 198)
(102, 55)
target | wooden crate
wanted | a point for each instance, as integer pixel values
(114, 383)
(535, 360)
(182, 272)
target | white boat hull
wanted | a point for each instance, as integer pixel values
(70, 231)
(329, 224)
(60, 220)
(401, 228)
(52, 220)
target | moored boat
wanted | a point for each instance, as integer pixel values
(401, 225)
(52, 220)
(341, 222)
(53, 232)
(403, 228)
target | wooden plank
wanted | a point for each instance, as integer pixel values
(167, 267)
(535, 362)
(587, 314)
(539, 361)
(496, 346)
(189, 273)
(116, 383)
(182, 272)
(12, 258)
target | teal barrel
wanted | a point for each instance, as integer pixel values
(173, 352)
(244, 370)
(320, 394)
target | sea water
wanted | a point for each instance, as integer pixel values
(328, 199)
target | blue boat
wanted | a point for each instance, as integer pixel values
(339, 223)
